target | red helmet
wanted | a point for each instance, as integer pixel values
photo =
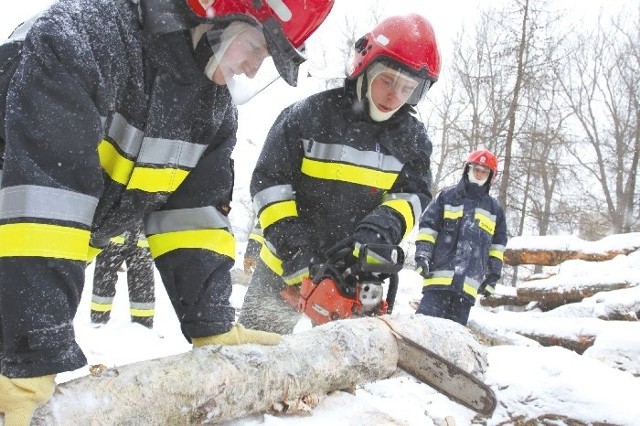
(286, 24)
(407, 43)
(484, 157)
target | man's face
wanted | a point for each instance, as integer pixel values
(480, 172)
(244, 55)
(391, 89)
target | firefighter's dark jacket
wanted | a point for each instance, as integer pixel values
(107, 125)
(327, 169)
(463, 234)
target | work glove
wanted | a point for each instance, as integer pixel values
(422, 266)
(238, 335)
(249, 264)
(19, 397)
(364, 236)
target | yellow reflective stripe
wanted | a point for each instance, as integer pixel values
(156, 180)
(406, 211)
(348, 173)
(143, 243)
(426, 238)
(93, 252)
(448, 214)
(486, 223)
(117, 240)
(498, 254)
(216, 240)
(278, 211)
(117, 167)
(142, 312)
(469, 289)
(271, 260)
(41, 240)
(296, 278)
(437, 281)
(101, 307)
(257, 237)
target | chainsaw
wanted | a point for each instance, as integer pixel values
(336, 291)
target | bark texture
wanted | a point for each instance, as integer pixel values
(220, 383)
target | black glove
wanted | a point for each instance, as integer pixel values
(369, 236)
(422, 266)
(296, 268)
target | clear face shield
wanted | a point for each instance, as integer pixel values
(246, 62)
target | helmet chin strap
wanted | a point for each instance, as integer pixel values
(374, 112)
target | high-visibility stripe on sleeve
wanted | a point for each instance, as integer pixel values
(46, 203)
(42, 240)
(276, 212)
(273, 194)
(497, 251)
(271, 260)
(428, 235)
(156, 180)
(403, 207)
(115, 165)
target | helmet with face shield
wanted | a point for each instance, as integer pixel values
(405, 44)
(485, 160)
(282, 27)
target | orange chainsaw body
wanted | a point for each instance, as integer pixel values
(323, 302)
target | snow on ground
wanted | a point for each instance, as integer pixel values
(531, 382)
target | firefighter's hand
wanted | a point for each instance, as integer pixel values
(296, 267)
(249, 264)
(238, 335)
(422, 266)
(19, 397)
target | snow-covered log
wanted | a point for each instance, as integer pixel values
(219, 383)
(553, 250)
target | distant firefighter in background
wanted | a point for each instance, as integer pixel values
(132, 249)
(461, 242)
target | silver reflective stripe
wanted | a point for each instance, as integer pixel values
(499, 247)
(185, 220)
(140, 305)
(46, 203)
(128, 138)
(272, 195)
(172, 152)
(412, 199)
(486, 213)
(102, 300)
(20, 33)
(347, 154)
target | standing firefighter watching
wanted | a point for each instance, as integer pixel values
(121, 112)
(349, 165)
(461, 242)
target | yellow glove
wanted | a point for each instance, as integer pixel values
(238, 335)
(19, 397)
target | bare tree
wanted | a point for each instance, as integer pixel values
(601, 86)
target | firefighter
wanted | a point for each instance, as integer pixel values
(130, 249)
(122, 111)
(461, 241)
(347, 162)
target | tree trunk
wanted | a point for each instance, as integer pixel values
(220, 383)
